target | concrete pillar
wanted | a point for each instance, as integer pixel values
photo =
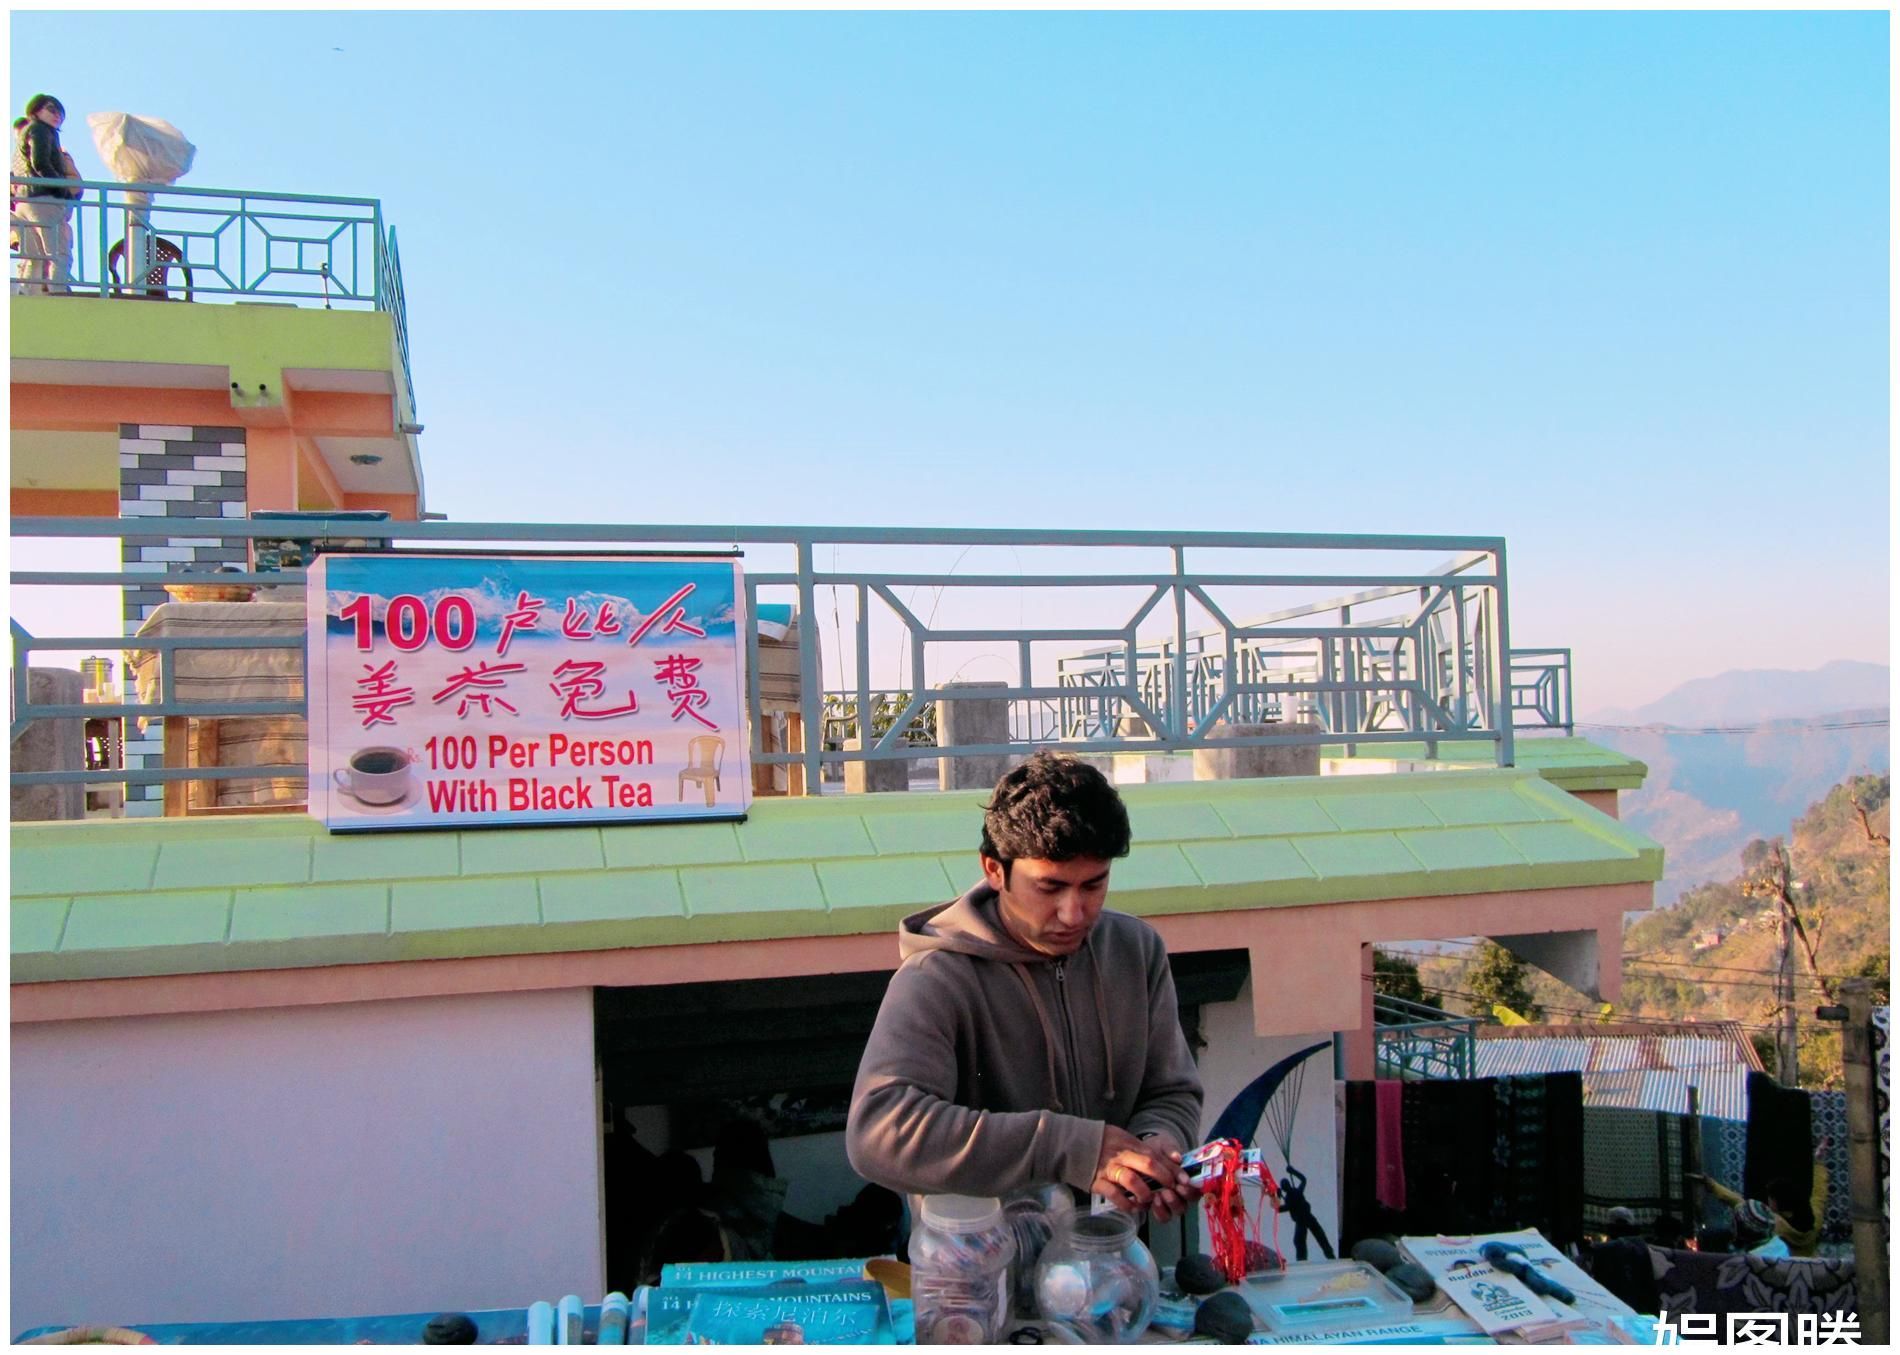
(170, 477)
(1574, 958)
(175, 476)
(272, 463)
(1362, 1044)
(1604, 801)
(972, 720)
(51, 746)
(1233, 764)
(862, 778)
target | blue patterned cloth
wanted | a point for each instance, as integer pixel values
(1830, 1122)
(1724, 1151)
(1883, 1035)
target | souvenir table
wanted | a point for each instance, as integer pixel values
(772, 1293)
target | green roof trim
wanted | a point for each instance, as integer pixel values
(109, 899)
(1572, 763)
(256, 343)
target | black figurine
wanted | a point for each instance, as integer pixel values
(1293, 1203)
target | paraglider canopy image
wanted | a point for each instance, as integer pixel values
(1272, 1098)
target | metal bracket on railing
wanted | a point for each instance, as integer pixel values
(21, 689)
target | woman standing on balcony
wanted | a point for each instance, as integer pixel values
(40, 215)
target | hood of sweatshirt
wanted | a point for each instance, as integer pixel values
(969, 925)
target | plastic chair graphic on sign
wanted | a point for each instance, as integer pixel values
(705, 758)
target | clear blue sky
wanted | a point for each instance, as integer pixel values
(1614, 286)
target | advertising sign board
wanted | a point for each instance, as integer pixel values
(454, 690)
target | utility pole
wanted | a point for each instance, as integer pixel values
(1787, 1038)
(1776, 882)
(1855, 1013)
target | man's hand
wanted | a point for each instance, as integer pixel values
(1134, 1176)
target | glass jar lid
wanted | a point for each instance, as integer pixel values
(962, 1213)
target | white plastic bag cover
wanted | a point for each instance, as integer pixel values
(139, 149)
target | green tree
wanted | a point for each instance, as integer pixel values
(1396, 976)
(1878, 966)
(1756, 855)
(1499, 977)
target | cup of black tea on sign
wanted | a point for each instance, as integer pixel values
(376, 776)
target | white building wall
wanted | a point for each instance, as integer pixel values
(1236, 1056)
(380, 1157)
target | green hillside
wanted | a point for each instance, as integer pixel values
(1712, 955)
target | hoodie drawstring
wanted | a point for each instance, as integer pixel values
(1101, 1014)
(1048, 1032)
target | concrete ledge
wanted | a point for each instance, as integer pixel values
(117, 899)
(1572, 763)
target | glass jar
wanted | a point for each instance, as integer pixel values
(1034, 1217)
(959, 1271)
(1097, 1280)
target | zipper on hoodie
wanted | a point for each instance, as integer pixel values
(1075, 1097)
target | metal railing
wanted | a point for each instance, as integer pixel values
(1282, 680)
(158, 241)
(841, 719)
(1412, 656)
(1413, 1040)
(1436, 668)
(1033, 721)
(1540, 690)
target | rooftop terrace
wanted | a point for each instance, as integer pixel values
(235, 246)
(274, 323)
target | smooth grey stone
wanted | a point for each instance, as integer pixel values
(1226, 1318)
(449, 1329)
(1377, 1253)
(1198, 1274)
(1413, 1280)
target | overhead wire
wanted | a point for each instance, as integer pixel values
(1640, 957)
(1782, 727)
(1810, 983)
(1619, 1018)
(1735, 969)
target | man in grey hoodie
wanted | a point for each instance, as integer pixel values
(1029, 1036)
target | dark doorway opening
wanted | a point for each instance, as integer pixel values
(713, 1092)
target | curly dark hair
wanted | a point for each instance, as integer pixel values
(1054, 807)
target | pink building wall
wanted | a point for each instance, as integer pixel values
(370, 1157)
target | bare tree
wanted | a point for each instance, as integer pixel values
(1775, 880)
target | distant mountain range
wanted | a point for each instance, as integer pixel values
(1753, 694)
(1709, 795)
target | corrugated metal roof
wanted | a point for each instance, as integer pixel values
(1507, 1058)
(1721, 1093)
(1648, 1071)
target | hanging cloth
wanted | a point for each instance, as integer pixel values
(1389, 1142)
(1780, 1137)
(1360, 1216)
